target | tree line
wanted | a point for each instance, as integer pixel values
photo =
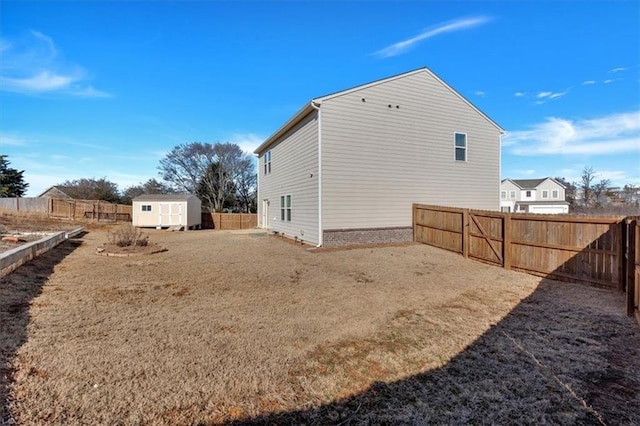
(221, 175)
(589, 195)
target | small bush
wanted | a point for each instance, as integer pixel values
(128, 235)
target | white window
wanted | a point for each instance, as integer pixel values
(146, 207)
(528, 194)
(506, 209)
(512, 195)
(503, 195)
(460, 142)
(554, 193)
(545, 193)
(285, 208)
(267, 162)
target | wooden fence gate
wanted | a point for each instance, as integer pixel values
(600, 251)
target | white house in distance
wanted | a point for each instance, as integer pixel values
(545, 195)
(346, 168)
(167, 210)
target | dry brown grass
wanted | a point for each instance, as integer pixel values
(233, 327)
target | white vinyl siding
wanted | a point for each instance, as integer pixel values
(294, 172)
(378, 160)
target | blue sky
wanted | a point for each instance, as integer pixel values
(106, 89)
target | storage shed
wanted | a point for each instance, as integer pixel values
(167, 210)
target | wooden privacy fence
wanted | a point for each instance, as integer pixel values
(25, 204)
(83, 209)
(633, 266)
(228, 221)
(584, 249)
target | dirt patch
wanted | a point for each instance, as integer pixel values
(228, 327)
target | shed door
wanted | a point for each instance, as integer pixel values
(170, 214)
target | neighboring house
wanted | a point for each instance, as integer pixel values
(56, 191)
(545, 195)
(346, 168)
(167, 210)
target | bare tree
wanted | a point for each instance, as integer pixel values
(152, 186)
(211, 171)
(92, 189)
(588, 175)
(599, 191)
(186, 164)
(246, 185)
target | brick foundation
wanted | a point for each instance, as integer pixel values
(347, 237)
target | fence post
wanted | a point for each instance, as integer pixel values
(465, 233)
(506, 241)
(413, 220)
(631, 259)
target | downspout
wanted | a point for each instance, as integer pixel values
(317, 108)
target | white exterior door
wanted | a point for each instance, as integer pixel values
(265, 214)
(170, 214)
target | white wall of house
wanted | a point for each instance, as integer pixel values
(548, 209)
(549, 190)
(294, 173)
(546, 198)
(389, 145)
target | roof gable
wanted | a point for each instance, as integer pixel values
(531, 183)
(316, 103)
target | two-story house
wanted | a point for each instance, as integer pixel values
(347, 167)
(545, 195)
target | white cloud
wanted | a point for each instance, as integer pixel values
(456, 25)
(33, 65)
(42, 82)
(557, 95)
(248, 142)
(543, 95)
(611, 134)
(588, 82)
(618, 69)
(90, 92)
(480, 93)
(12, 139)
(519, 94)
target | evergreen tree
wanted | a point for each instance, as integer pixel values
(12, 182)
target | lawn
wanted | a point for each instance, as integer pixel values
(242, 327)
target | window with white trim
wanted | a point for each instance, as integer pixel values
(503, 195)
(460, 146)
(146, 207)
(528, 194)
(285, 208)
(512, 195)
(545, 193)
(554, 193)
(267, 162)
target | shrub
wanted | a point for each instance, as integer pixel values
(128, 235)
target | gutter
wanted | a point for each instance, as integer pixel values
(317, 108)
